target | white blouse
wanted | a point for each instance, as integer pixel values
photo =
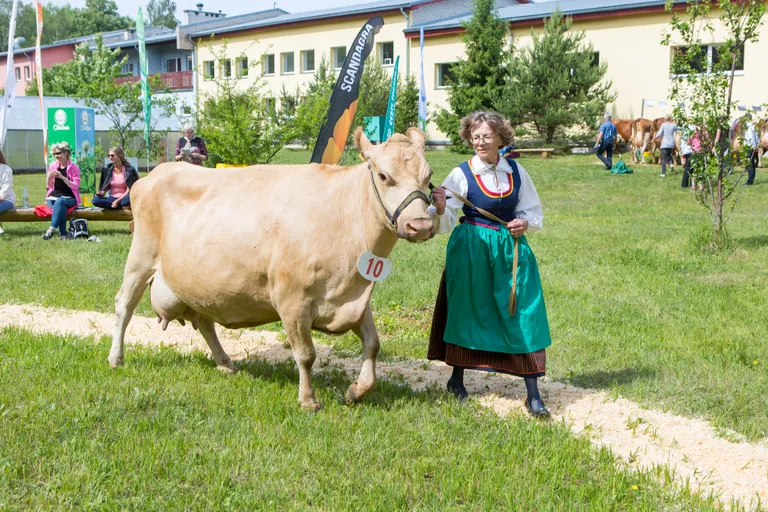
(6, 183)
(528, 206)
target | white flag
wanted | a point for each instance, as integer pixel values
(10, 78)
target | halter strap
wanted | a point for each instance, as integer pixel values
(416, 194)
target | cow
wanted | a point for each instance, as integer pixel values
(641, 138)
(656, 142)
(246, 247)
(762, 127)
(623, 130)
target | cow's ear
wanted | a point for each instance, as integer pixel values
(362, 142)
(417, 136)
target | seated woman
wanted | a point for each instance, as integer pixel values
(117, 178)
(190, 148)
(63, 189)
(7, 197)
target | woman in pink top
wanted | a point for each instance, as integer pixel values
(117, 178)
(63, 183)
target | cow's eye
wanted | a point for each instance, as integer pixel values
(382, 177)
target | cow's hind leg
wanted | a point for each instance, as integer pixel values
(298, 328)
(367, 379)
(223, 362)
(135, 281)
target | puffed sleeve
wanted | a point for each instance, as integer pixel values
(529, 204)
(458, 182)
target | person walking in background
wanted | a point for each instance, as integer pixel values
(63, 189)
(190, 148)
(117, 178)
(667, 133)
(752, 141)
(686, 151)
(604, 143)
(476, 325)
(7, 197)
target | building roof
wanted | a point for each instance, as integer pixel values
(528, 12)
(382, 5)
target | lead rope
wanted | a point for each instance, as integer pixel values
(513, 293)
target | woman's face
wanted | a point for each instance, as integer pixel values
(486, 142)
(189, 133)
(61, 156)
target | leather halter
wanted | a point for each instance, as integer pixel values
(416, 194)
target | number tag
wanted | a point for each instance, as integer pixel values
(372, 267)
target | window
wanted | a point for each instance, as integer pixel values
(445, 75)
(386, 53)
(18, 74)
(269, 106)
(268, 64)
(128, 68)
(27, 74)
(226, 68)
(703, 59)
(289, 106)
(595, 60)
(338, 55)
(286, 60)
(242, 66)
(173, 65)
(208, 68)
(307, 61)
(189, 63)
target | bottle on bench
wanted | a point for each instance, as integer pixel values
(25, 198)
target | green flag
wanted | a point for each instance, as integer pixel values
(389, 120)
(146, 95)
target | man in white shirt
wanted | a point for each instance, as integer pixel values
(752, 141)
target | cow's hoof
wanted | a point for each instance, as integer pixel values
(228, 368)
(352, 397)
(312, 407)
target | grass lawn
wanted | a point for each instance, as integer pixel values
(635, 307)
(168, 432)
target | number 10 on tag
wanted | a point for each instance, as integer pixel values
(372, 267)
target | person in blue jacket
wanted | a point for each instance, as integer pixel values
(605, 140)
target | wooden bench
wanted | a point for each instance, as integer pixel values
(28, 215)
(545, 152)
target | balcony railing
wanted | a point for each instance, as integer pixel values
(175, 81)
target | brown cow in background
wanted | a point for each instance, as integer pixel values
(640, 138)
(623, 130)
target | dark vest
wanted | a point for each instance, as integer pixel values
(501, 205)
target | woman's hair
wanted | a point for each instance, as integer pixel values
(2, 158)
(61, 146)
(117, 150)
(669, 117)
(501, 126)
(188, 127)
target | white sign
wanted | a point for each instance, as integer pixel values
(649, 103)
(372, 267)
(662, 104)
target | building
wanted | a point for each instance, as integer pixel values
(24, 62)
(625, 34)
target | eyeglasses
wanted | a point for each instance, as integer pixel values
(57, 154)
(482, 139)
(112, 156)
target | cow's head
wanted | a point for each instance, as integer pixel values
(400, 176)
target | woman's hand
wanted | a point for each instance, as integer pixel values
(438, 199)
(100, 193)
(517, 227)
(179, 157)
(115, 202)
(2, 198)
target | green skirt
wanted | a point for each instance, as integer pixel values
(478, 283)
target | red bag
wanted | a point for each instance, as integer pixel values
(43, 211)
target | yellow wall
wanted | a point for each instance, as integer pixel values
(320, 37)
(630, 45)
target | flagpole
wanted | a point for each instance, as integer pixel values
(146, 95)
(10, 79)
(39, 76)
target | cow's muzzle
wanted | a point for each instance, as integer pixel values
(417, 230)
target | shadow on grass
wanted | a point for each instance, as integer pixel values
(605, 379)
(752, 242)
(328, 380)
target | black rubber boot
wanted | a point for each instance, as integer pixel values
(456, 384)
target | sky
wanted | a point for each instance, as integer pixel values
(229, 7)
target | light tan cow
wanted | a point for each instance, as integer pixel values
(245, 247)
(762, 126)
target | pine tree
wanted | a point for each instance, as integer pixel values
(407, 109)
(480, 78)
(556, 82)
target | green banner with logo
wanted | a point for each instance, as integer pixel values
(389, 120)
(76, 127)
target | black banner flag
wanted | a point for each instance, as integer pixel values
(343, 105)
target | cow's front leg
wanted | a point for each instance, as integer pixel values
(367, 379)
(299, 331)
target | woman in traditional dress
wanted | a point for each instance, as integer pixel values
(474, 326)
(190, 148)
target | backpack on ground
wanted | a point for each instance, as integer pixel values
(78, 228)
